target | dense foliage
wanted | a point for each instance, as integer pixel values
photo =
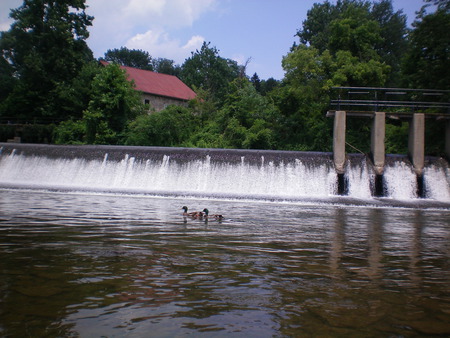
(142, 60)
(69, 98)
(31, 52)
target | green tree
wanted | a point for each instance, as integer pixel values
(246, 118)
(256, 82)
(441, 4)
(33, 48)
(205, 69)
(427, 64)
(394, 43)
(350, 43)
(170, 127)
(75, 96)
(135, 58)
(166, 66)
(369, 31)
(7, 79)
(112, 104)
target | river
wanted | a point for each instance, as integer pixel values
(97, 264)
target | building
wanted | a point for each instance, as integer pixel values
(158, 90)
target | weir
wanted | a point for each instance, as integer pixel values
(254, 174)
(411, 105)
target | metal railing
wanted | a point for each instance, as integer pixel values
(391, 100)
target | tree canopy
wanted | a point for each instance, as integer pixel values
(131, 58)
(207, 70)
(427, 64)
(32, 52)
(340, 43)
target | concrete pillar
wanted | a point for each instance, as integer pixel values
(339, 141)
(447, 140)
(377, 146)
(416, 142)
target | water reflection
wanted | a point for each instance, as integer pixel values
(416, 249)
(337, 241)
(80, 265)
(375, 244)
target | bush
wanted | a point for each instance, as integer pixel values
(170, 127)
(70, 132)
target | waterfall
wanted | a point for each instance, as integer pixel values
(208, 172)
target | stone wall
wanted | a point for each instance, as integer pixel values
(160, 102)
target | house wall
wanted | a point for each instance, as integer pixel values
(160, 102)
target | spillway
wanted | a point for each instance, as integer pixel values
(254, 174)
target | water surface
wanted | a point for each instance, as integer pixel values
(92, 265)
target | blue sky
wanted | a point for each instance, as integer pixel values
(262, 30)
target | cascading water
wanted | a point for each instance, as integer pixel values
(208, 172)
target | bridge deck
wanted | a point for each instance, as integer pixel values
(395, 102)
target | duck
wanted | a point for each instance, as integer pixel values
(195, 214)
(215, 216)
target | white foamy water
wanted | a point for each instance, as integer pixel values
(292, 179)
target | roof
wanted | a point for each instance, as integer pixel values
(158, 84)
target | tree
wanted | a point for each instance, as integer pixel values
(166, 66)
(33, 48)
(341, 45)
(256, 82)
(246, 118)
(427, 64)
(205, 69)
(441, 4)
(7, 79)
(368, 31)
(268, 85)
(393, 32)
(135, 58)
(112, 104)
(304, 98)
(170, 127)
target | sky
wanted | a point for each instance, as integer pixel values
(258, 31)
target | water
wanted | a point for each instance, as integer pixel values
(97, 264)
(210, 172)
(93, 244)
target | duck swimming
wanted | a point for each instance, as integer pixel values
(195, 214)
(215, 216)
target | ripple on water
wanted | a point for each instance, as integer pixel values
(130, 266)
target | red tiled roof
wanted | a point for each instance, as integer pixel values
(158, 84)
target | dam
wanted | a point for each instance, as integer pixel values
(224, 173)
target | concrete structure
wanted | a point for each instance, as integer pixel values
(339, 141)
(416, 142)
(412, 105)
(377, 146)
(158, 90)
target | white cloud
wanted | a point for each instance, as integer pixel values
(166, 13)
(139, 8)
(159, 44)
(145, 24)
(194, 43)
(5, 9)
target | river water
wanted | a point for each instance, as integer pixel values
(112, 265)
